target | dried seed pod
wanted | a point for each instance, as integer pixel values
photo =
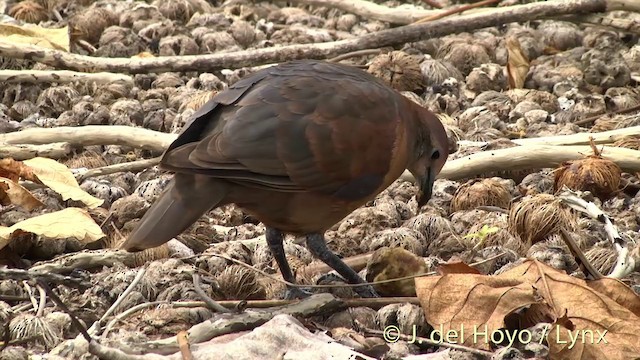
(435, 72)
(346, 22)
(210, 42)
(352, 317)
(182, 10)
(398, 69)
(140, 13)
(486, 77)
(400, 237)
(210, 21)
(155, 31)
(537, 217)
(546, 100)
(57, 99)
(547, 78)
(236, 282)
(14, 353)
(6, 313)
(599, 176)
(621, 98)
(481, 192)
(479, 118)
(629, 142)
(102, 189)
(29, 11)
(409, 318)
(483, 135)
(178, 45)
(243, 33)
(367, 220)
(35, 328)
(112, 92)
(464, 55)
(555, 253)
(602, 39)
(89, 24)
(430, 226)
(128, 208)
(604, 69)
(126, 112)
(560, 35)
(294, 15)
(603, 258)
(521, 108)
(497, 102)
(22, 109)
(390, 263)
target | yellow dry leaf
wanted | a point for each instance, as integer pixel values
(70, 222)
(13, 193)
(59, 178)
(57, 39)
(517, 64)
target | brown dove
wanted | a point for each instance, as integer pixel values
(299, 146)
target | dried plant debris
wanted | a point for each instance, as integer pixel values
(593, 173)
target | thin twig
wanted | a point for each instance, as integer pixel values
(588, 269)
(211, 304)
(275, 278)
(364, 52)
(43, 300)
(593, 118)
(133, 166)
(456, 10)
(95, 328)
(74, 319)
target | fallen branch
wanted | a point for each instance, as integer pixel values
(133, 166)
(93, 135)
(158, 141)
(55, 150)
(228, 323)
(34, 275)
(85, 260)
(239, 59)
(530, 157)
(60, 76)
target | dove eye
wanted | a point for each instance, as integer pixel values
(435, 155)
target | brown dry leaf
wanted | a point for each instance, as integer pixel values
(459, 302)
(517, 64)
(13, 193)
(465, 301)
(71, 222)
(14, 170)
(618, 292)
(57, 39)
(457, 267)
(588, 311)
(59, 178)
